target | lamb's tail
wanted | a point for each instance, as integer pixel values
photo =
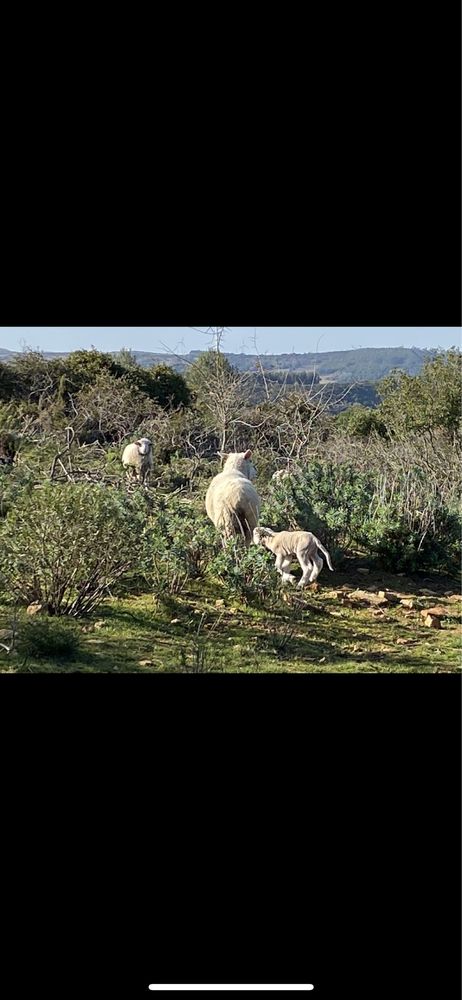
(324, 552)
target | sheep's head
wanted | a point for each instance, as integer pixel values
(240, 461)
(261, 534)
(144, 446)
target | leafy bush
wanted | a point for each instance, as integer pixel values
(332, 501)
(46, 638)
(409, 528)
(425, 401)
(14, 485)
(360, 421)
(401, 519)
(177, 544)
(65, 546)
(246, 573)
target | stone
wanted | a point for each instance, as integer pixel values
(34, 608)
(437, 612)
(365, 595)
(432, 621)
(407, 602)
(389, 595)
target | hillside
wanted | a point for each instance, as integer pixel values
(363, 364)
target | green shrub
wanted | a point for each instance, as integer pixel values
(177, 544)
(332, 501)
(66, 545)
(246, 573)
(407, 537)
(360, 421)
(47, 638)
(400, 519)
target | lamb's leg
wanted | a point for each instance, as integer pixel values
(285, 566)
(318, 564)
(307, 567)
(282, 564)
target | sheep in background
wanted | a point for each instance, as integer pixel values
(137, 459)
(290, 545)
(231, 502)
(281, 474)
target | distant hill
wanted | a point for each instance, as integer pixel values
(365, 364)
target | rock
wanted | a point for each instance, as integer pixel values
(34, 608)
(428, 593)
(363, 569)
(219, 603)
(403, 642)
(389, 595)
(365, 595)
(407, 602)
(174, 621)
(99, 624)
(145, 663)
(432, 621)
(437, 612)
(455, 598)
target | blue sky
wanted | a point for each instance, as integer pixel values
(270, 339)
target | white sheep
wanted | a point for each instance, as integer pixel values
(290, 545)
(137, 459)
(281, 474)
(231, 502)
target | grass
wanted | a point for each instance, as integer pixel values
(314, 631)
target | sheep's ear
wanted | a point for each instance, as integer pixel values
(248, 453)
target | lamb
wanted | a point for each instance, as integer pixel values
(290, 545)
(137, 459)
(231, 502)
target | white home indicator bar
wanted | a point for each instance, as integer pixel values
(252, 986)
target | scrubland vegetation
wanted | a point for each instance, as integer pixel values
(98, 574)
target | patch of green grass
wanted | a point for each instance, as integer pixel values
(315, 631)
